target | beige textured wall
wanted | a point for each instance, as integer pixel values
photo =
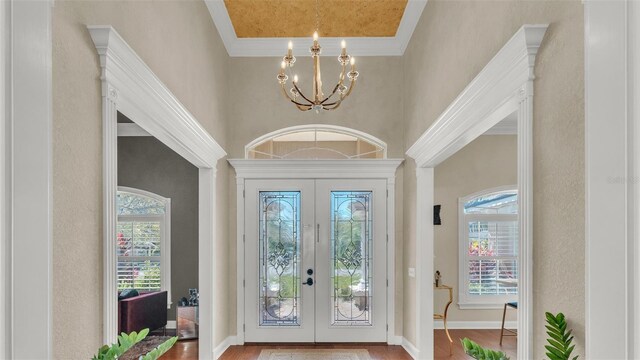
(454, 40)
(257, 107)
(179, 42)
(485, 163)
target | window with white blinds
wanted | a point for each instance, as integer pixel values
(143, 243)
(488, 248)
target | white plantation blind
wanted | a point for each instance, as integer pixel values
(492, 254)
(488, 249)
(139, 253)
(143, 241)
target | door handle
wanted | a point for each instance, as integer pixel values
(308, 282)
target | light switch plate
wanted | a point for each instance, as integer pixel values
(412, 272)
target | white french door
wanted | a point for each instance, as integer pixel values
(315, 261)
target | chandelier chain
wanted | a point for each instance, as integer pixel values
(317, 15)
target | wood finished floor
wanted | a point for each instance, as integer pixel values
(188, 349)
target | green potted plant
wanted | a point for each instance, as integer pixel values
(126, 341)
(478, 352)
(560, 339)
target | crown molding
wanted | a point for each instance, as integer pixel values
(358, 46)
(508, 126)
(125, 77)
(491, 96)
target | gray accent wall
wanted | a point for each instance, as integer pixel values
(146, 163)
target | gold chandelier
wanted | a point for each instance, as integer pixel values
(318, 101)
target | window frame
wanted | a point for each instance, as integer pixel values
(165, 237)
(466, 301)
(362, 136)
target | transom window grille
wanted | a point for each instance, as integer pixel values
(316, 142)
(488, 248)
(143, 243)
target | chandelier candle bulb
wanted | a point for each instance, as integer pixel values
(295, 79)
(344, 47)
(290, 50)
(353, 64)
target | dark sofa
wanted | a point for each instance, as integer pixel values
(143, 311)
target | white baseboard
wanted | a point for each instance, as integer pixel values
(223, 346)
(410, 348)
(171, 324)
(395, 340)
(438, 324)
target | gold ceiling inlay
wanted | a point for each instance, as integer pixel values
(297, 18)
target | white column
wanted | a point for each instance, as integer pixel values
(525, 219)
(110, 217)
(207, 260)
(391, 261)
(424, 262)
(608, 183)
(240, 260)
(634, 120)
(31, 152)
(5, 181)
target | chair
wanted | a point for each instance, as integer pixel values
(504, 315)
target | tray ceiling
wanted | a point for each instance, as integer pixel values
(263, 27)
(297, 18)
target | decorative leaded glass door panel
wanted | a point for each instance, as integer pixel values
(279, 248)
(315, 261)
(351, 261)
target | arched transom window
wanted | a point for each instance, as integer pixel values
(143, 242)
(316, 142)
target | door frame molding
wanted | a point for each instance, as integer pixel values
(316, 169)
(129, 86)
(503, 87)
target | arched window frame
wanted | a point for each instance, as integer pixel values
(165, 234)
(316, 127)
(466, 301)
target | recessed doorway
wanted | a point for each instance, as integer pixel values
(315, 260)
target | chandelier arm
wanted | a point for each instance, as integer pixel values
(352, 84)
(342, 97)
(337, 104)
(286, 95)
(301, 94)
(340, 82)
(332, 93)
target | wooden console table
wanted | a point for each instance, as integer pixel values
(443, 316)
